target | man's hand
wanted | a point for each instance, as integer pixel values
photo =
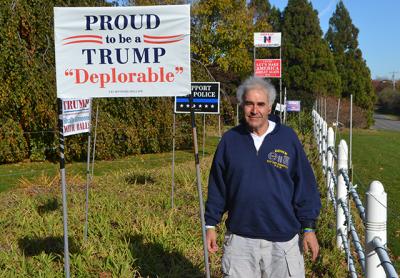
(310, 242)
(211, 237)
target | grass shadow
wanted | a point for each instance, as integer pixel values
(51, 204)
(139, 179)
(33, 246)
(153, 260)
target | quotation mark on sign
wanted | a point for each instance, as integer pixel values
(68, 73)
(179, 70)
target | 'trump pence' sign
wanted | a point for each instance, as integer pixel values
(122, 51)
(76, 116)
(267, 39)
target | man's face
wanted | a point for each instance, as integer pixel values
(256, 109)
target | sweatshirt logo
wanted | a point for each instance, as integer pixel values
(279, 159)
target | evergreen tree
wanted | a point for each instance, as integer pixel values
(308, 66)
(275, 19)
(342, 37)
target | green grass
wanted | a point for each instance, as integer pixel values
(133, 232)
(376, 157)
(11, 174)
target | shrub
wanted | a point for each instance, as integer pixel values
(13, 147)
(389, 101)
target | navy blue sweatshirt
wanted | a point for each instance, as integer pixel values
(270, 193)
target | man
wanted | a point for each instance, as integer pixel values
(261, 176)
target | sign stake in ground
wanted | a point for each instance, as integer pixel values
(204, 133)
(199, 190)
(173, 162)
(95, 137)
(88, 179)
(63, 188)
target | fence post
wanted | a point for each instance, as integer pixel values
(330, 162)
(375, 226)
(341, 192)
(313, 120)
(324, 146)
(320, 137)
(315, 125)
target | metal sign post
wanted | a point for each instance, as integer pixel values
(204, 132)
(63, 189)
(88, 179)
(280, 83)
(237, 114)
(198, 178)
(173, 162)
(95, 137)
(284, 111)
(219, 126)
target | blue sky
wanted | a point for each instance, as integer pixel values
(379, 26)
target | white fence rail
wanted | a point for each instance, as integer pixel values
(374, 261)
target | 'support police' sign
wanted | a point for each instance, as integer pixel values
(122, 51)
(205, 99)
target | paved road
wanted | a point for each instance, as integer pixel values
(384, 122)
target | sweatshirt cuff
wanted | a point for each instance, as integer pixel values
(308, 224)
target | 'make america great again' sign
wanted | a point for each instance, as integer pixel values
(122, 51)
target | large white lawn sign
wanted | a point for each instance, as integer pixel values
(122, 51)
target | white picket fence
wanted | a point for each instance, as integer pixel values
(372, 255)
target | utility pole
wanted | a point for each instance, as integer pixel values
(394, 80)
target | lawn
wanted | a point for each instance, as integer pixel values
(376, 156)
(133, 231)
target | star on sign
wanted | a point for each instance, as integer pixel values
(212, 105)
(199, 105)
(206, 106)
(187, 105)
(181, 105)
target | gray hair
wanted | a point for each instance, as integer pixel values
(254, 82)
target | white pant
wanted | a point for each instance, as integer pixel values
(253, 258)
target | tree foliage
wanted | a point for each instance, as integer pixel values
(308, 66)
(342, 37)
(222, 35)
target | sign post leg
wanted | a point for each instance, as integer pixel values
(204, 132)
(173, 163)
(85, 233)
(95, 137)
(219, 125)
(197, 162)
(237, 114)
(64, 191)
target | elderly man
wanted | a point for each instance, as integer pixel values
(261, 176)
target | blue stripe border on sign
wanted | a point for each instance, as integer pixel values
(197, 100)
